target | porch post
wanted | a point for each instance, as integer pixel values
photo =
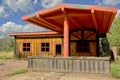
(66, 37)
(97, 44)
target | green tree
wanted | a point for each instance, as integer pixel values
(114, 34)
(6, 44)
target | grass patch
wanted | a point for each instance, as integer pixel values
(21, 71)
(6, 55)
(115, 68)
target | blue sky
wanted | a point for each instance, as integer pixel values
(11, 12)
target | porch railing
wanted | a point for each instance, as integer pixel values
(70, 64)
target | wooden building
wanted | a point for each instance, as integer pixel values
(77, 30)
(51, 44)
(37, 44)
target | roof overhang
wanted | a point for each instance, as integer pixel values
(34, 33)
(83, 17)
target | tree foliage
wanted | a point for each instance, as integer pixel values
(105, 46)
(114, 34)
(6, 44)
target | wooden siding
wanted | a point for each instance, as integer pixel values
(36, 46)
(69, 64)
(92, 50)
(52, 40)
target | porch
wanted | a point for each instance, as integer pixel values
(86, 23)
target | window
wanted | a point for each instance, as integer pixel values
(82, 47)
(45, 47)
(26, 46)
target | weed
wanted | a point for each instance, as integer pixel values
(21, 71)
(115, 68)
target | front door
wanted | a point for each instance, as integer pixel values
(58, 49)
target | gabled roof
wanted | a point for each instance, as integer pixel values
(90, 17)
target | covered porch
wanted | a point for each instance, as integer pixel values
(81, 25)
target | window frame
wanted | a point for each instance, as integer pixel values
(45, 47)
(26, 47)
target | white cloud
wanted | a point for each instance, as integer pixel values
(98, 2)
(3, 13)
(35, 1)
(107, 2)
(111, 2)
(18, 5)
(11, 27)
(9, 7)
(118, 12)
(32, 28)
(50, 3)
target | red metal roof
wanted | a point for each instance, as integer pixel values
(33, 33)
(81, 17)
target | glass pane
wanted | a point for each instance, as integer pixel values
(28, 49)
(47, 49)
(24, 49)
(42, 44)
(79, 44)
(47, 44)
(79, 50)
(79, 47)
(43, 49)
(86, 50)
(24, 44)
(28, 44)
(86, 44)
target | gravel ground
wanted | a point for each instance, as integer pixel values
(58, 76)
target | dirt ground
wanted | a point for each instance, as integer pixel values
(9, 66)
(13, 65)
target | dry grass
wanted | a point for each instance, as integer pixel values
(6, 55)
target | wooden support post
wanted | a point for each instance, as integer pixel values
(97, 44)
(15, 52)
(66, 37)
(69, 44)
(82, 34)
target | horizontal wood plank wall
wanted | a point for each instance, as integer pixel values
(70, 64)
(36, 46)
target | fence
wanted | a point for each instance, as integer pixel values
(70, 64)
